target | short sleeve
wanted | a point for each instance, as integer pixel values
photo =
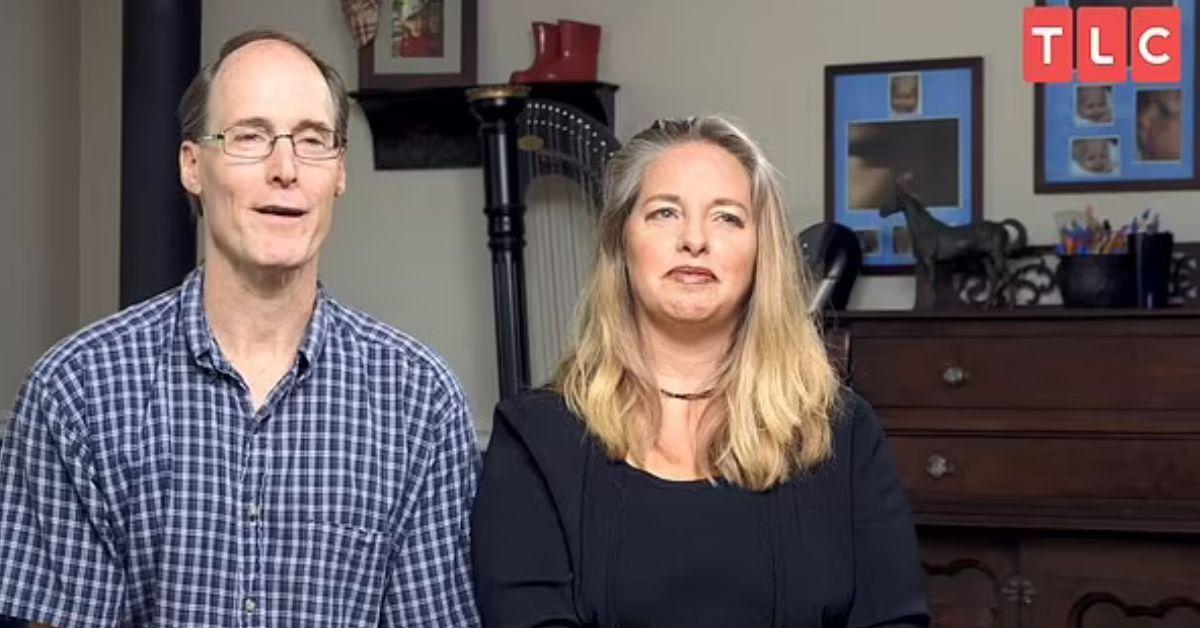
(429, 576)
(58, 558)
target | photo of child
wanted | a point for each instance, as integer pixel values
(1093, 104)
(1159, 126)
(921, 155)
(1095, 156)
(901, 241)
(904, 92)
(1121, 133)
(869, 241)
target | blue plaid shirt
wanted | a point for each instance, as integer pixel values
(139, 486)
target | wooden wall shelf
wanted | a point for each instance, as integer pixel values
(434, 127)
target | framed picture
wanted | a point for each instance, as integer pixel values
(1122, 137)
(913, 124)
(421, 43)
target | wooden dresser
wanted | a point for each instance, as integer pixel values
(1052, 459)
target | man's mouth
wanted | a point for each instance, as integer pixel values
(279, 210)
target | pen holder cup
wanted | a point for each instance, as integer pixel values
(1152, 267)
(1097, 280)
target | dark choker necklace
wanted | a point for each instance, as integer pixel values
(703, 394)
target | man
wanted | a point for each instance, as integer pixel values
(243, 449)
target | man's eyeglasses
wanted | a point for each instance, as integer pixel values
(249, 142)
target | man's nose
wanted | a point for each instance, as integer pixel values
(281, 163)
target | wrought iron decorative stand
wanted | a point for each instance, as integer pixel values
(1031, 280)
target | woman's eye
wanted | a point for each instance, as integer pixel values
(663, 212)
(731, 219)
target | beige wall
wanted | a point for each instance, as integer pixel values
(39, 183)
(763, 61)
(99, 159)
(407, 246)
(410, 246)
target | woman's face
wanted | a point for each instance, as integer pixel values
(691, 239)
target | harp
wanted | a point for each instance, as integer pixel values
(543, 163)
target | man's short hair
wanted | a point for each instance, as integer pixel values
(193, 106)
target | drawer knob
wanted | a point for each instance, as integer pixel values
(938, 466)
(1019, 589)
(954, 376)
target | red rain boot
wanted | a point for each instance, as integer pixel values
(547, 50)
(580, 49)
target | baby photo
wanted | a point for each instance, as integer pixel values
(1093, 104)
(1159, 125)
(869, 241)
(905, 94)
(920, 154)
(901, 241)
(1095, 156)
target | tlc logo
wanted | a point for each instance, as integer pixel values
(1103, 47)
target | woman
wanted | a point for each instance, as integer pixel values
(695, 462)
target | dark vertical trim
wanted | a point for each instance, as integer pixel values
(160, 55)
(497, 110)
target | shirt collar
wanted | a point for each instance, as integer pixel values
(318, 331)
(200, 340)
(202, 344)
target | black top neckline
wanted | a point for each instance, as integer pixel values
(691, 553)
(554, 506)
(661, 482)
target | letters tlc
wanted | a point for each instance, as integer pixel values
(1103, 47)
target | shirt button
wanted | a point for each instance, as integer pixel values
(255, 512)
(250, 605)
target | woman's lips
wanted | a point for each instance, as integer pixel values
(691, 274)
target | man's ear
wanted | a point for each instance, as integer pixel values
(189, 166)
(341, 182)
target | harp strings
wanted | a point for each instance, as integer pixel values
(563, 155)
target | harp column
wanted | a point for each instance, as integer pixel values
(497, 107)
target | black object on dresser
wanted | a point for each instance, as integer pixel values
(1051, 456)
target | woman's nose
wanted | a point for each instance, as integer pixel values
(693, 239)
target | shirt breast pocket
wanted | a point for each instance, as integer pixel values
(332, 574)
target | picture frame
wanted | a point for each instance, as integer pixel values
(918, 124)
(421, 44)
(1092, 137)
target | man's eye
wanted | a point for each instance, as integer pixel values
(249, 137)
(312, 139)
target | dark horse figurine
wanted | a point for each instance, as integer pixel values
(934, 242)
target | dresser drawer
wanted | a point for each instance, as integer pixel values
(1074, 372)
(1001, 468)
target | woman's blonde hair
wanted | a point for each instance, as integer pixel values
(775, 392)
